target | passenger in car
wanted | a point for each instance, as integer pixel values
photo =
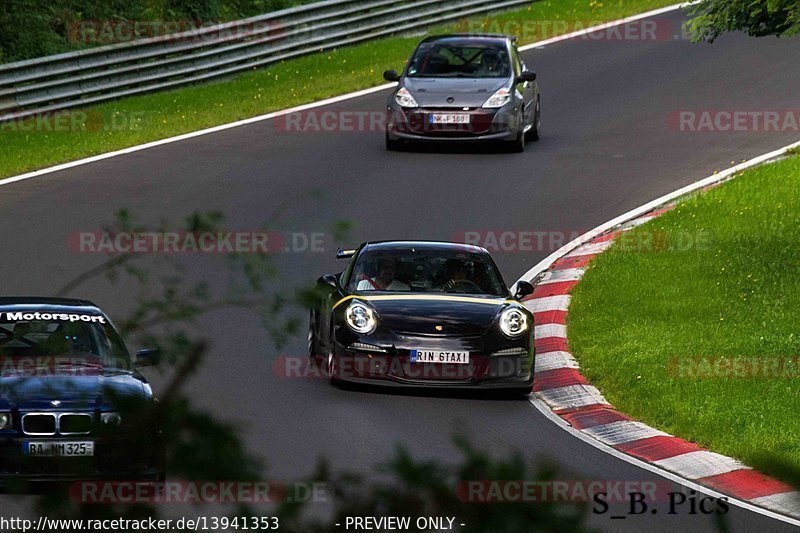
(385, 280)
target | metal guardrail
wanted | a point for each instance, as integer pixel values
(62, 81)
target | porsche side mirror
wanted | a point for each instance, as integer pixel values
(391, 75)
(330, 279)
(148, 358)
(524, 288)
(526, 76)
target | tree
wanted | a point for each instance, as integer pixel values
(759, 18)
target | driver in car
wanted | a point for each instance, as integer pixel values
(385, 280)
(458, 277)
(491, 63)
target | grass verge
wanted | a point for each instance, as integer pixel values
(696, 333)
(94, 130)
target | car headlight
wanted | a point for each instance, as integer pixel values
(498, 99)
(513, 322)
(361, 318)
(5, 420)
(111, 419)
(404, 98)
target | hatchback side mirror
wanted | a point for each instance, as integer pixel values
(526, 76)
(391, 75)
(148, 358)
(524, 288)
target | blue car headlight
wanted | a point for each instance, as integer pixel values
(111, 419)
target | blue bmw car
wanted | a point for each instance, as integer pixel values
(70, 396)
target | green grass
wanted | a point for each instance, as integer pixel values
(721, 281)
(140, 119)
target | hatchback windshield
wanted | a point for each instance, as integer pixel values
(460, 59)
(39, 338)
(442, 271)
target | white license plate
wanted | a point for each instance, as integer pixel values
(58, 449)
(440, 356)
(449, 118)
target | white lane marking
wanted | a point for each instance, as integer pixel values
(785, 502)
(548, 303)
(311, 105)
(545, 410)
(190, 135)
(572, 396)
(553, 361)
(623, 431)
(558, 276)
(695, 465)
(550, 330)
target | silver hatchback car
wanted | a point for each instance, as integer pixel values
(459, 88)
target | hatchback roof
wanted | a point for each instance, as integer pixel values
(474, 36)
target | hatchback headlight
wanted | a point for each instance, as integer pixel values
(5, 420)
(361, 318)
(111, 419)
(404, 98)
(498, 99)
(513, 322)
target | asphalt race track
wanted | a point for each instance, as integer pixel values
(606, 148)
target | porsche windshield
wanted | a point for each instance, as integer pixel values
(436, 271)
(40, 340)
(460, 59)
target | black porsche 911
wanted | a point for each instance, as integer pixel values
(408, 313)
(71, 397)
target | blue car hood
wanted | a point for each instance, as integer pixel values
(73, 391)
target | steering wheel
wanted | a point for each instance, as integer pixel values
(463, 285)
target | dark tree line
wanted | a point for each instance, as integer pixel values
(35, 28)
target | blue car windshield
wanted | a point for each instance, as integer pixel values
(39, 337)
(460, 59)
(434, 271)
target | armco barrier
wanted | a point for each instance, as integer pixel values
(94, 75)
